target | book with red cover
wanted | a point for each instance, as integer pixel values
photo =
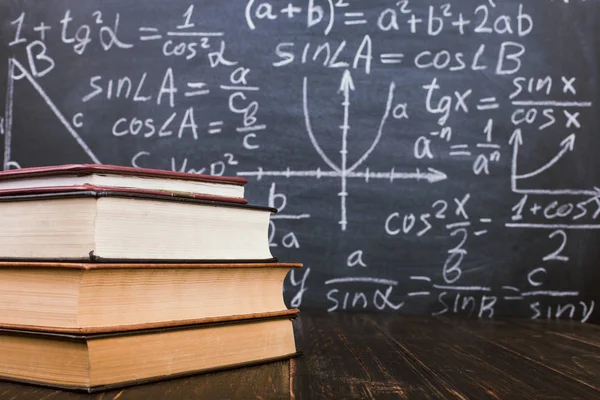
(130, 225)
(63, 177)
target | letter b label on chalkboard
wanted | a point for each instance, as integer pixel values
(39, 61)
(276, 200)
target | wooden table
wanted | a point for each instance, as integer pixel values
(386, 356)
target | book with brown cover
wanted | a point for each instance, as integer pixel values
(130, 225)
(86, 298)
(109, 360)
(113, 177)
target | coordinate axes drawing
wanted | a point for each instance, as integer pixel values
(567, 145)
(342, 171)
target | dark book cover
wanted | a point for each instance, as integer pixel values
(12, 193)
(100, 191)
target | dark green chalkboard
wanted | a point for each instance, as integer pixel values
(431, 157)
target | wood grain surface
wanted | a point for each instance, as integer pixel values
(386, 356)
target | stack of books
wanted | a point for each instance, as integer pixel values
(112, 276)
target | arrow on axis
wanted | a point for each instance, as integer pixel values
(346, 85)
(432, 175)
(516, 140)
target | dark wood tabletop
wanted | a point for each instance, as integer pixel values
(387, 356)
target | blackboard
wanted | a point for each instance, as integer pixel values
(426, 157)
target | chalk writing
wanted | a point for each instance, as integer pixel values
(427, 156)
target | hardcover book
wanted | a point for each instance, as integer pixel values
(129, 225)
(101, 297)
(114, 177)
(103, 361)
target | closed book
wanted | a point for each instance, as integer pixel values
(96, 362)
(114, 177)
(130, 225)
(103, 297)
